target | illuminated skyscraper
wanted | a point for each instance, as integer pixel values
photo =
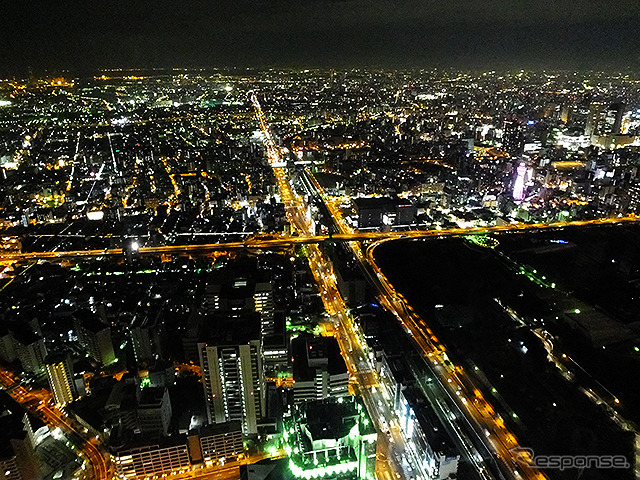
(232, 383)
(604, 121)
(512, 141)
(613, 118)
(518, 187)
(593, 118)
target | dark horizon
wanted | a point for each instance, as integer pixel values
(534, 35)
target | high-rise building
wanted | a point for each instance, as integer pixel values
(95, 337)
(263, 304)
(613, 118)
(319, 370)
(603, 120)
(275, 347)
(60, 376)
(154, 411)
(232, 372)
(30, 350)
(593, 119)
(512, 138)
(122, 403)
(147, 338)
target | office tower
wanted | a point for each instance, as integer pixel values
(154, 411)
(94, 336)
(604, 121)
(613, 118)
(319, 370)
(593, 119)
(60, 376)
(512, 140)
(233, 379)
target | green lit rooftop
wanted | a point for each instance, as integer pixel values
(325, 438)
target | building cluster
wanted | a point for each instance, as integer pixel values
(179, 362)
(174, 365)
(170, 158)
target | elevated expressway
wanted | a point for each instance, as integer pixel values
(305, 237)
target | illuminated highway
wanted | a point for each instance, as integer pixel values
(471, 420)
(349, 337)
(297, 217)
(461, 391)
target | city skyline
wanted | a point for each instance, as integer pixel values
(364, 273)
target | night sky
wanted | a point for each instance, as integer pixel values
(473, 34)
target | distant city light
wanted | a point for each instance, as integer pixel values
(95, 215)
(119, 121)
